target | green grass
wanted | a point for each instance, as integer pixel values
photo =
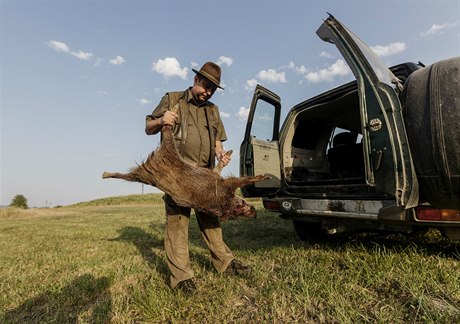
(103, 261)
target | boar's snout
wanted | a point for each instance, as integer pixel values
(240, 209)
(248, 211)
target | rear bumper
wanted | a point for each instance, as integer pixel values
(365, 210)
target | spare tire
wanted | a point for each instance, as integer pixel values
(431, 101)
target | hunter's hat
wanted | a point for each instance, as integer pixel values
(210, 71)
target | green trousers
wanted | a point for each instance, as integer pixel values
(177, 245)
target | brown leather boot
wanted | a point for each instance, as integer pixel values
(237, 268)
(187, 286)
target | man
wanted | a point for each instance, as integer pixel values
(198, 132)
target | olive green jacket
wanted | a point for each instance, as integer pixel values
(180, 100)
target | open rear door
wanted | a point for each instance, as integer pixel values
(388, 160)
(259, 151)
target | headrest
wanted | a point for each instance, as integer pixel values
(345, 138)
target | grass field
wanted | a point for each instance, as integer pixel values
(103, 261)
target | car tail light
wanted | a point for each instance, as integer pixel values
(434, 214)
(271, 205)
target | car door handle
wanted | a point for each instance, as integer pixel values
(377, 159)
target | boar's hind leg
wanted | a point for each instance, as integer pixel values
(117, 175)
(138, 174)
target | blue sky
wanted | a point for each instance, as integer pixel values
(78, 77)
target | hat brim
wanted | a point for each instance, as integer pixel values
(209, 77)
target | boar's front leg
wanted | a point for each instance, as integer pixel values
(220, 165)
(244, 181)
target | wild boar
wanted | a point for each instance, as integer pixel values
(191, 186)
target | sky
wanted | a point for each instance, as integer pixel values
(78, 78)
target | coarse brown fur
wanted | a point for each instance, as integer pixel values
(190, 186)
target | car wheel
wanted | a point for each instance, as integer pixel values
(309, 231)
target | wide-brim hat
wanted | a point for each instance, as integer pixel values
(212, 72)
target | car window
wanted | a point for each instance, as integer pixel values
(307, 134)
(339, 130)
(381, 70)
(262, 125)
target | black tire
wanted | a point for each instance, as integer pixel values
(309, 231)
(431, 100)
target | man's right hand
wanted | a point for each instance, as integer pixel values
(169, 118)
(153, 126)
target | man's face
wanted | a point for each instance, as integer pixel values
(202, 89)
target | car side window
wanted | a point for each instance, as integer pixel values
(262, 125)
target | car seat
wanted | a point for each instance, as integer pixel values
(345, 157)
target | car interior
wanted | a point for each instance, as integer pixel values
(320, 148)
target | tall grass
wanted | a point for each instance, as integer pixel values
(144, 199)
(103, 261)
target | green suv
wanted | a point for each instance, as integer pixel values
(378, 153)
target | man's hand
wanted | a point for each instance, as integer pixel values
(153, 126)
(169, 118)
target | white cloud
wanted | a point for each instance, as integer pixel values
(119, 60)
(97, 62)
(224, 114)
(264, 117)
(439, 29)
(63, 48)
(143, 101)
(326, 55)
(243, 113)
(58, 46)
(271, 75)
(250, 84)
(225, 60)
(301, 69)
(85, 56)
(339, 68)
(390, 49)
(297, 69)
(169, 67)
(102, 92)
